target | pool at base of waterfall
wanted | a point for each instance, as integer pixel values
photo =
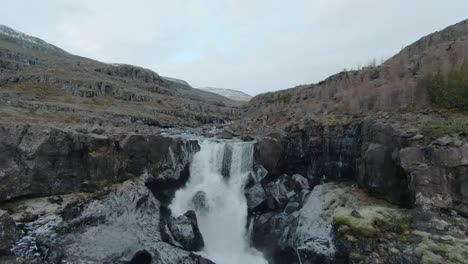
(215, 191)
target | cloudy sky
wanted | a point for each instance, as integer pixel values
(249, 45)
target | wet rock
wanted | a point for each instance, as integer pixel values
(300, 183)
(200, 202)
(261, 173)
(255, 196)
(225, 135)
(199, 259)
(185, 231)
(247, 138)
(9, 233)
(292, 207)
(102, 230)
(141, 257)
(278, 192)
(267, 232)
(250, 181)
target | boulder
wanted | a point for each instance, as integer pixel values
(260, 173)
(200, 202)
(141, 257)
(225, 135)
(195, 259)
(185, 231)
(300, 183)
(291, 207)
(9, 233)
(278, 190)
(255, 196)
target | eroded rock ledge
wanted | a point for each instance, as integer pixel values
(394, 159)
(39, 160)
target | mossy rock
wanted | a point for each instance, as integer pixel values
(433, 250)
(372, 221)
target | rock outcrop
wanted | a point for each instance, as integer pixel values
(184, 231)
(38, 160)
(9, 233)
(390, 157)
(94, 228)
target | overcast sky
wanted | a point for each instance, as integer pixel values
(249, 45)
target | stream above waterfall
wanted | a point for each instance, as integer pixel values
(215, 190)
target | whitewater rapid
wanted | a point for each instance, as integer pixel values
(220, 170)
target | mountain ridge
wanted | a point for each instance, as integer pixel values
(229, 93)
(396, 84)
(56, 86)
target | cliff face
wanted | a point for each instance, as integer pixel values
(399, 180)
(393, 85)
(41, 160)
(392, 158)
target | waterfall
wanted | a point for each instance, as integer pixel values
(217, 176)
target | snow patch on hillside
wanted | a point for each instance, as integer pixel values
(229, 93)
(4, 30)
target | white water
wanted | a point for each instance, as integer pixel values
(224, 224)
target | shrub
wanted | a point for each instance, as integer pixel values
(451, 90)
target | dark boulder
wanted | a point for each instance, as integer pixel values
(200, 202)
(260, 173)
(185, 231)
(9, 233)
(195, 259)
(255, 196)
(141, 257)
(300, 183)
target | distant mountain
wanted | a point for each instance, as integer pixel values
(229, 93)
(40, 82)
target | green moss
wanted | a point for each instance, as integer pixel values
(372, 223)
(432, 250)
(445, 127)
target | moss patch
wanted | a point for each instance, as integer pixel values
(433, 250)
(371, 222)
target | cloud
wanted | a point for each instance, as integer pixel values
(253, 46)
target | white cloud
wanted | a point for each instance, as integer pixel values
(253, 46)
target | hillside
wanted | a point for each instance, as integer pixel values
(42, 83)
(229, 93)
(396, 84)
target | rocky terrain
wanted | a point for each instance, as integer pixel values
(359, 168)
(405, 202)
(392, 86)
(42, 83)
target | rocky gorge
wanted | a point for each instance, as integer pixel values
(194, 178)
